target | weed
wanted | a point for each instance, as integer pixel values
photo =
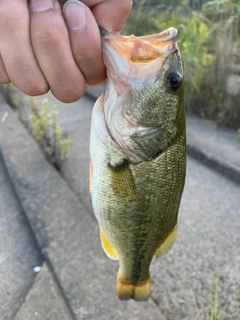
(10, 96)
(47, 132)
(210, 46)
(214, 310)
(42, 123)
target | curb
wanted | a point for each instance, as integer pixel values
(217, 148)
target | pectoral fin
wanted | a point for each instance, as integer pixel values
(122, 180)
(107, 247)
(168, 243)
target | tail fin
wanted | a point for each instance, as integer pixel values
(138, 292)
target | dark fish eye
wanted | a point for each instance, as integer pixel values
(173, 81)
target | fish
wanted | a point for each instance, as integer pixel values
(138, 154)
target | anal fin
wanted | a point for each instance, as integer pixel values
(107, 247)
(168, 243)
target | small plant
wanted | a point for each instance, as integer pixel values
(214, 310)
(7, 88)
(10, 95)
(210, 46)
(48, 133)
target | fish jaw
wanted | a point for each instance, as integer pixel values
(136, 101)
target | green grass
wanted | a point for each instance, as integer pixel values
(214, 310)
(42, 124)
(208, 40)
(48, 132)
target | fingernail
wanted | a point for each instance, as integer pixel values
(75, 15)
(41, 5)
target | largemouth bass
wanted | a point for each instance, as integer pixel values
(138, 154)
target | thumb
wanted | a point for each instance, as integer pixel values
(112, 14)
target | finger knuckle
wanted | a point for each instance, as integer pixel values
(48, 37)
(33, 86)
(69, 95)
(12, 19)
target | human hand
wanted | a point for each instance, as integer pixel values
(45, 46)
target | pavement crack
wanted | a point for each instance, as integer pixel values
(155, 303)
(22, 213)
(25, 297)
(60, 291)
(42, 254)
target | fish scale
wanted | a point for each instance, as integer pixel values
(136, 202)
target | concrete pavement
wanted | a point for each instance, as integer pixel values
(77, 281)
(19, 251)
(44, 300)
(207, 198)
(66, 233)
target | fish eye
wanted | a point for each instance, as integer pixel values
(173, 81)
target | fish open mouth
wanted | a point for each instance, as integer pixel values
(142, 49)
